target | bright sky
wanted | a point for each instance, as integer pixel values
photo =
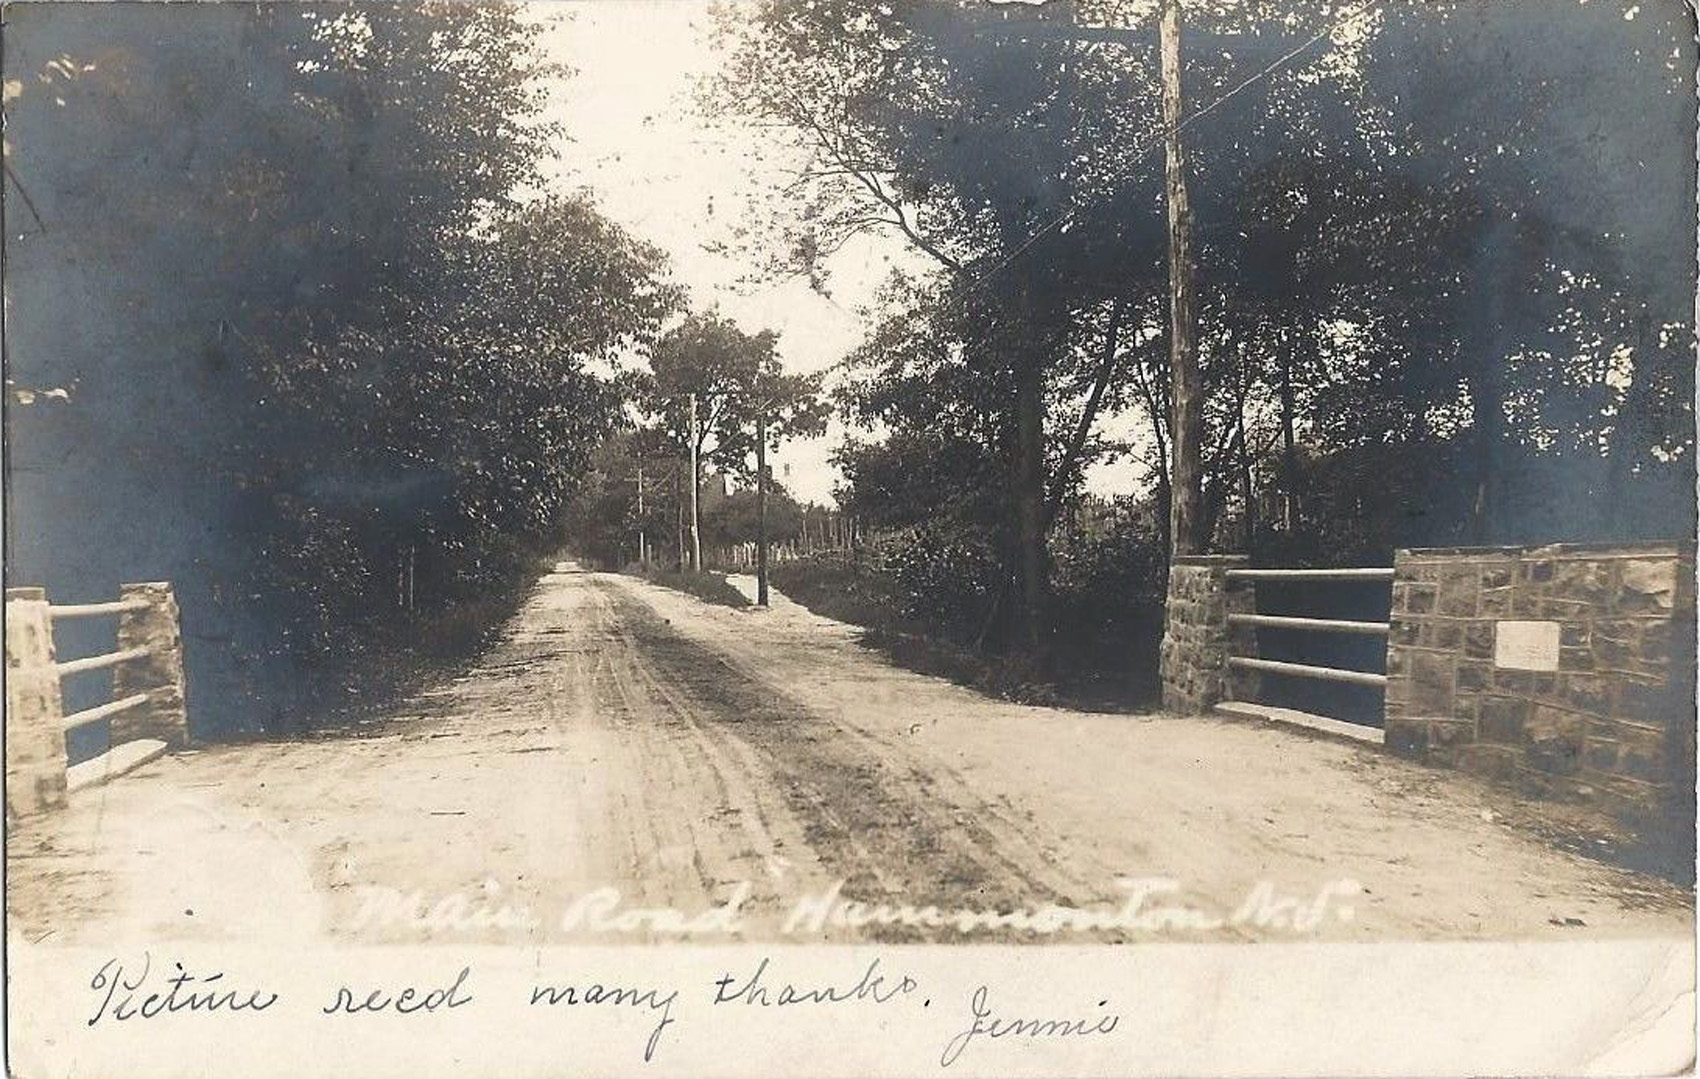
(679, 181)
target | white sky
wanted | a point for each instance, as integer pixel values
(682, 183)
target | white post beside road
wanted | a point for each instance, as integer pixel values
(35, 734)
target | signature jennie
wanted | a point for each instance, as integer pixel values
(985, 1024)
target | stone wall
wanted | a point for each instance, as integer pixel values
(1566, 667)
(1196, 635)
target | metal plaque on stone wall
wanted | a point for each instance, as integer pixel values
(1526, 646)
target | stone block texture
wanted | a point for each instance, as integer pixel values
(1614, 721)
(1196, 635)
(35, 735)
(157, 628)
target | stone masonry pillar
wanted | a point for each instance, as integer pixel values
(155, 627)
(1196, 636)
(35, 734)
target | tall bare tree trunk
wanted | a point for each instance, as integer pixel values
(643, 543)
(679, 512)
(696, 486)
(1030, 499)
(1289, 440)
(761, 509)
(1070, 464)
(1186, 417)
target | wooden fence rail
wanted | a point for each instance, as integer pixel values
(1319, 625)
(1242, 646)
(1309, 670)
(148, 712)
(1348, 573)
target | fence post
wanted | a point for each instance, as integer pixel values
(1193, 659)
(35, 732)
(155, 627)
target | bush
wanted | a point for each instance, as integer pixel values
(926, 596)
(945, 581)
(1113, 580)
(1108, 588)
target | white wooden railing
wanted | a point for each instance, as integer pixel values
(1324, 625)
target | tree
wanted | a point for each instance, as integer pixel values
(864, 89)
(1407, 286)
(707, 385)
(309, 324)
(478, 393)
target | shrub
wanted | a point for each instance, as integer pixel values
(945, 580)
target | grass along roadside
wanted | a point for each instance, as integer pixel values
(854, 592)
(708, 586)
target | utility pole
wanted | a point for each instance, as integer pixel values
(696, 519)
(643, 549)
(761, 507)
(679, 516)
(1186, 416)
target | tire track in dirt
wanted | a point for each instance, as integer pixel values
(873, 820)
(1018, 836)
(751, 834)
(733, 834)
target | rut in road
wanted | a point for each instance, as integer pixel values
(619, 739)
(867, 821)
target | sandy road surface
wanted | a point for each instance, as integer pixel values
(624, 736)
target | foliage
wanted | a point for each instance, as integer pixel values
(603, 520)
(1439, 302)
(944, 578)
(732, 520)
(1111, 575)
(1008, 144)
(327, 362)
(710, 387)
(923, 597)
(733, 377)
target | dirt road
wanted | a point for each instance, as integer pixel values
(734, 766)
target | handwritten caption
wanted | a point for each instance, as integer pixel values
(131, 991)
(153, 991)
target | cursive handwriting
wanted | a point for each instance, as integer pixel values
(986, 1024)
(407, 1002)
(187, 992)
(595, 993)
(871, 986)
